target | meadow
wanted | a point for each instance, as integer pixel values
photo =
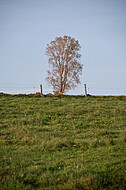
(62, 142)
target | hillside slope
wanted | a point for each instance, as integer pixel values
(62, 142)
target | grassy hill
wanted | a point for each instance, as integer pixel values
(62, 142)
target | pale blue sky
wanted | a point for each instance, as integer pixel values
(26, 26)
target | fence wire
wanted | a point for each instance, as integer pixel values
(34, 88)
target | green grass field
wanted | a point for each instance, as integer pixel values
(62, 142)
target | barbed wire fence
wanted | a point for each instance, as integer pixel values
(92, 89)
(106, 90)
(22, 88)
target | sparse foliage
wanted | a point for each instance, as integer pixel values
(64, 59)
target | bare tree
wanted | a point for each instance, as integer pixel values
(64, 59)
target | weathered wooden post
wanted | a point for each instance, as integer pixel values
(85, 89)
(41, 90)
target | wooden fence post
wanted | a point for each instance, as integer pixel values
(41, 90)
(85, 89)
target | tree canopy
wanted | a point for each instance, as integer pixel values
(64, 59)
